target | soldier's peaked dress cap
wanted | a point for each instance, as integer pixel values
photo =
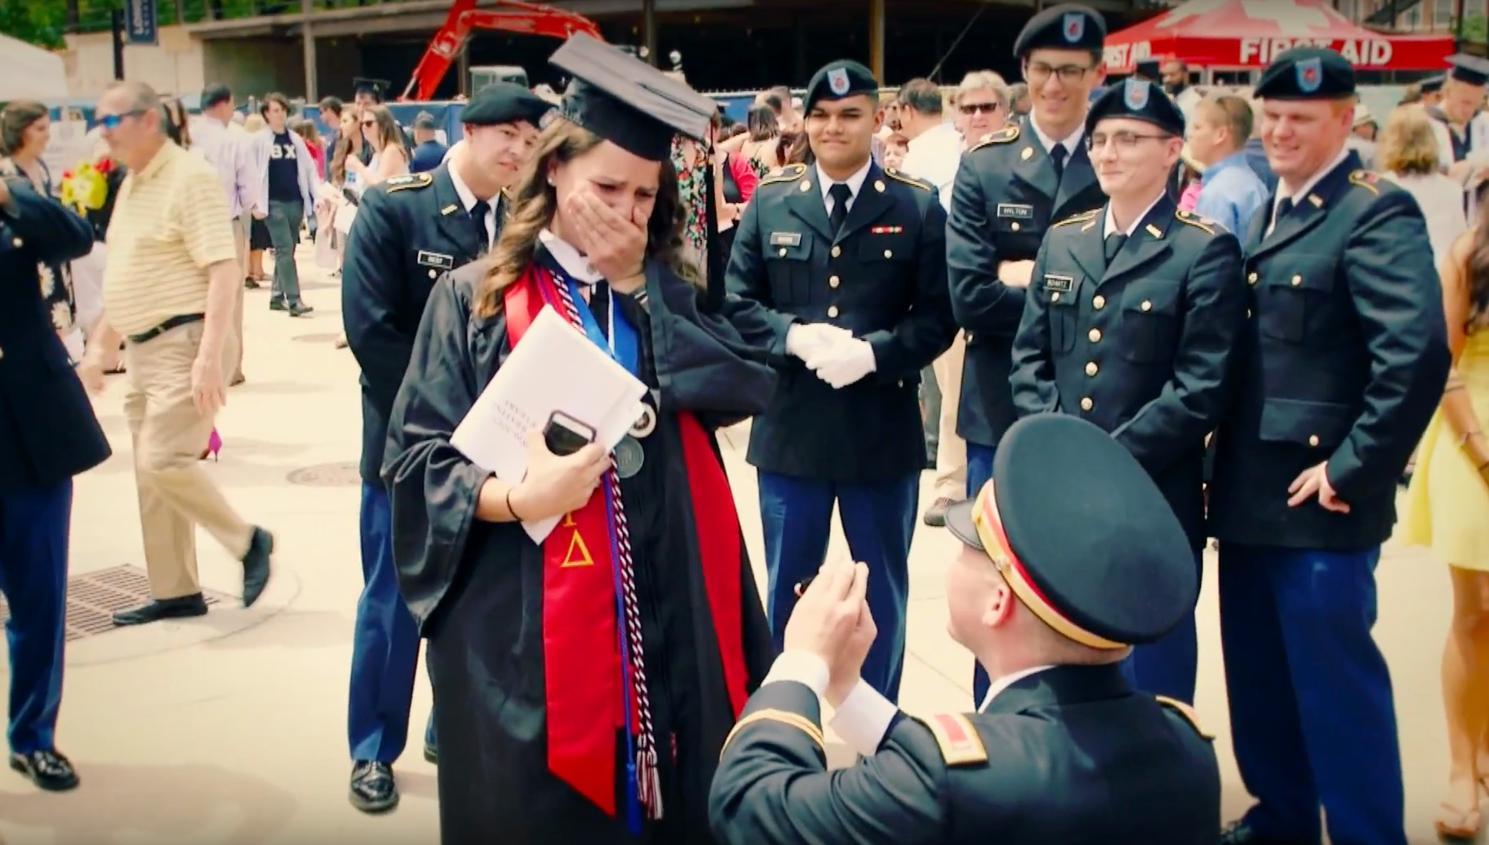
(1470, 69)
(627, 101)
(839, 79)
(1138, 99)
(1068, 26)
(1081, 533)
(1307, 73)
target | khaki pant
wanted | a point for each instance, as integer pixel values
(175, 493)
(240, 241)
(951, 450)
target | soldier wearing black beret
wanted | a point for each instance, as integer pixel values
(408, 231)
(1338, 368)
(1010, 187)
(1129, 323)
(839, 271)
(1069, 555)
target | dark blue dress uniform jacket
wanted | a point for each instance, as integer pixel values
(408, 232)
(884, 279)
(48, 432)
(1140, 347)
(1343, 360)
(1005, 197)
(1070, 755)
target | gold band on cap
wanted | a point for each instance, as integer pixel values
(989, 525)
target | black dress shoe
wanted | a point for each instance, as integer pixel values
(1241, 833)
(250, 284)
(373, 789)
(431, 753)
(278, 304)
(47, 769)
(935, 515)
(177, 608)
(256, 565)
(298, 309)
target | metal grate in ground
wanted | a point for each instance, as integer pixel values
(93, 598)
(340, 474)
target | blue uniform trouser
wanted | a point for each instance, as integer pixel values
(1310, 696)
(878, 519)
(385, 647)
(979, 472)
(34, 524)
(1167, 667)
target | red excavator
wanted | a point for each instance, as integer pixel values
(510, 15)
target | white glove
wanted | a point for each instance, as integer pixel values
(843, 363)
(806, 339)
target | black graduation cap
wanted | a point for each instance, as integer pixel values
(1307, 73)
(504, 102)
(1433, 84)
(1148, 69)
(1068, 26)
(627, 101)
(1138, 99)
(375, 87)
(1081, 533)
(1470, 69)
(837, 80)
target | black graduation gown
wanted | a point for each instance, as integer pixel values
(476, 588)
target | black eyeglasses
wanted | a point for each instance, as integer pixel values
(974, 108)
(1124, 140)
(112, 121)
(1037, 73)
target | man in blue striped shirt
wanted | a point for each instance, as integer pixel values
(1230, 191)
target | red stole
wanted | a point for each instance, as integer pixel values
(581, 646)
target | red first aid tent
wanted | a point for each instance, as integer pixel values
(1244, 34)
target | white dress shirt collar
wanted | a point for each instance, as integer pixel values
(854, 183)
(468, 199)
(1007, 681)
(1111, 225)
(1307, 186)
(570, 258)
(1070, 142)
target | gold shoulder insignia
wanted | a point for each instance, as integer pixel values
(412, 181)
(1006, 135)
(783, 717)
(959, 741)
(789, 173)
(1082, 217)
(1198, 222)
(908, 179)
(1186, 712)
(1365, 179)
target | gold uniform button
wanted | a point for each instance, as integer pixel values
(1251, 279)
(836, 251)
(782, 252)
(832, 311)
(806, 185)
(1313, 440)
(1297, 280)
(1091, 368)
(17, 243)
(1087, 404)
(1098, 302)
(1014, 226)
(889, 253)
(1055, 297)
(1248, 313)
(833, 281)
(433, 274)
(1095, 335)
(1147, 305)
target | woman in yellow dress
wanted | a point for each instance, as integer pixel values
(1448, 509)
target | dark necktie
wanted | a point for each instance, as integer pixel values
(478, 214)
(1283, 209)
(840, 194)
(1057, 157)
(1113, 245)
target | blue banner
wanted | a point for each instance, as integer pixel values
(141, 24)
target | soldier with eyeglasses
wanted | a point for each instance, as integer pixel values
(1010, 187)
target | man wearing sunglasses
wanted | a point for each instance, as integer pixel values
(1010, 187)
(1129, 323)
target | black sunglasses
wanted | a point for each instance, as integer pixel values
(973, 108)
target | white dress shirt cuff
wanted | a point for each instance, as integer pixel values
(803, 667)
(863, 718)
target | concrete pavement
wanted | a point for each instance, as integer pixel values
(232, 728)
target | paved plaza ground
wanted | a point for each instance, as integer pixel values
(231, 728)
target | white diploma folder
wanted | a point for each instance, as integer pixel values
(554, 368)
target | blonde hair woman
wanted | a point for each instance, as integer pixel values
(1447, 508)
(1407, 151)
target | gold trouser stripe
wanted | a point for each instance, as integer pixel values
(785, 717)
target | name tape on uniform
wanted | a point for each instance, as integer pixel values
(437, 260)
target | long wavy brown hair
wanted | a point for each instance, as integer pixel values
(534, 201)
(1478, 266)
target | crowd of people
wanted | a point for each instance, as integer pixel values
(1202, 305)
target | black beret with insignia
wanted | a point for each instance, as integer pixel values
(1138, 99)
(504, 102)
(1068, 26)
(1081, 533)
(839, 79)
(1307, 73)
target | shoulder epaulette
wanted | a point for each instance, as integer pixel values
(789, 173)
(1006, 135)
(412, 181)
(1198, 222)
(1186, 712)
(908, 179)
(959, 741)
(1365, 179)
(1083, 217)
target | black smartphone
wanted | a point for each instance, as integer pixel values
(566, 435)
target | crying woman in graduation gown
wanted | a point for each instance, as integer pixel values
(585, 685)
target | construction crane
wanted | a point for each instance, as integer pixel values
(508, 15)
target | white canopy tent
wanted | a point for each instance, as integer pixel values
(28, 72)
